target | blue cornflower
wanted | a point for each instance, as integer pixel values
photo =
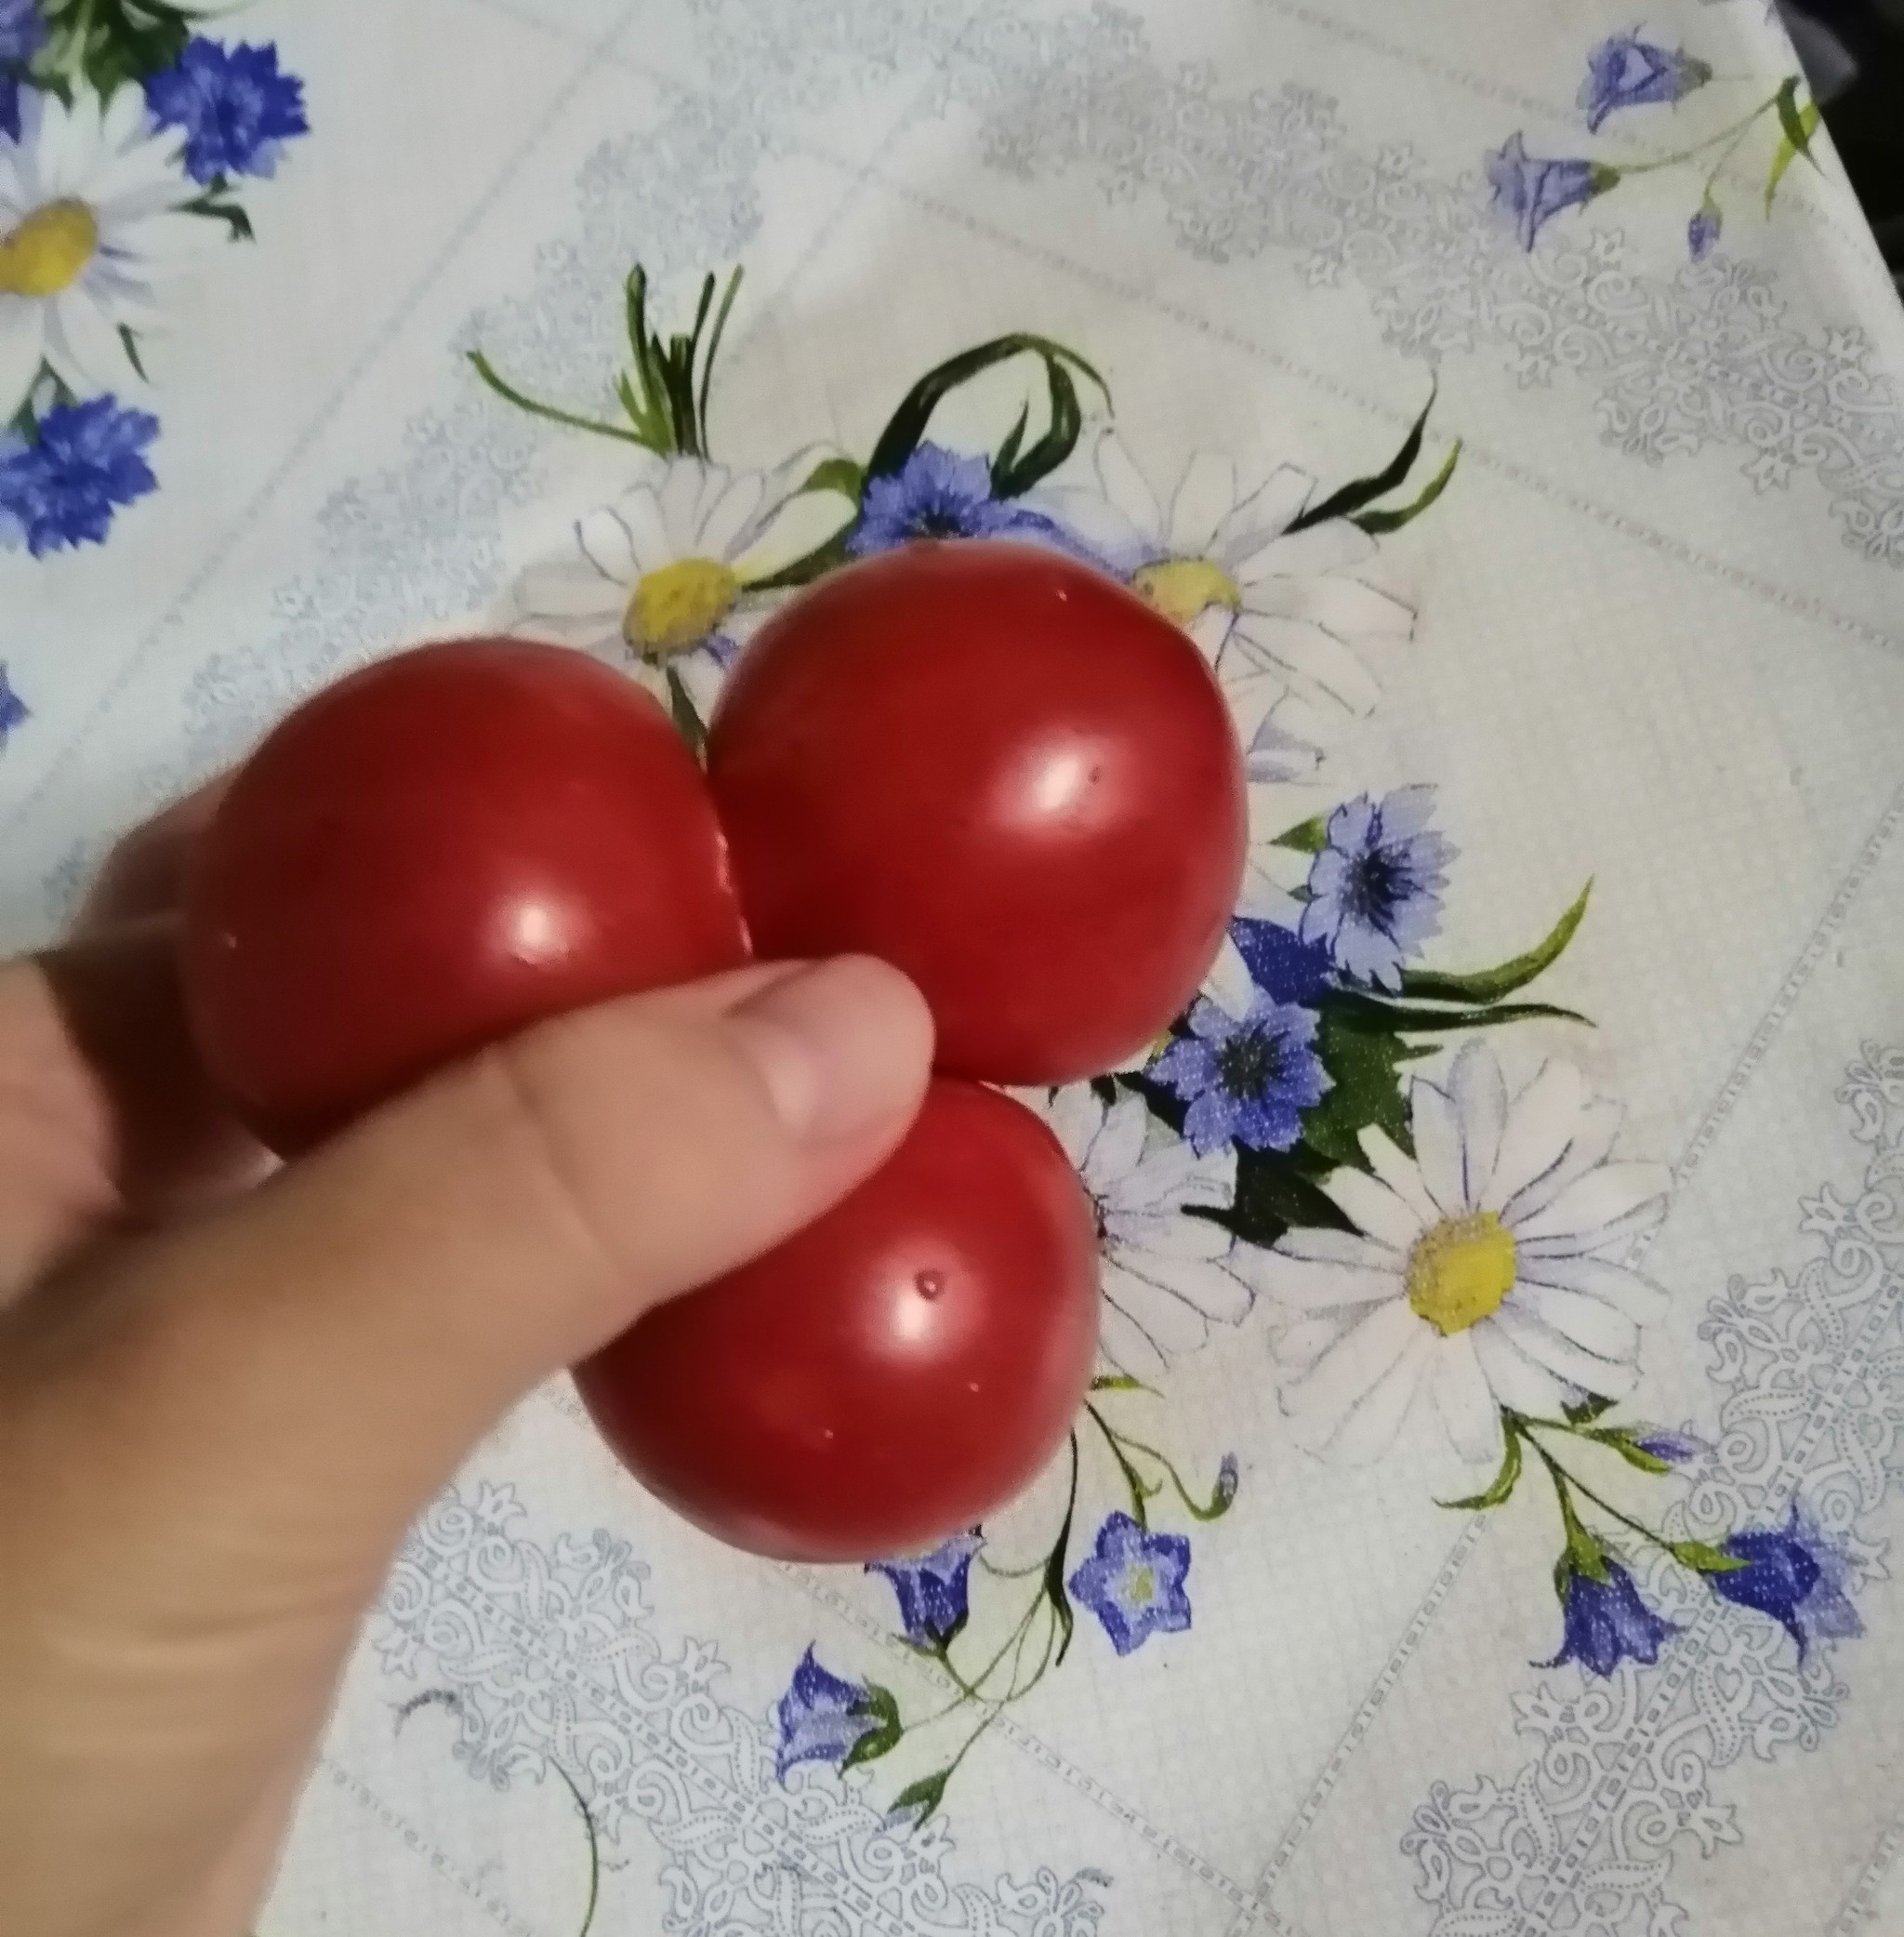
(1533, 190)
(1281, 964)
(1702, 232)
(13, 708)
(1134, 1583)
(1375, 889)
(22, 32)
(85, 461)
(1797, 1575)
(937, 494)
(1248, 1079)
(1626, 72)
(821, 1716)
(1607, 1623)
(932, 1589)
(236, 109)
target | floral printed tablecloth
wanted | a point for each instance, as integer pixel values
(1480, 1524)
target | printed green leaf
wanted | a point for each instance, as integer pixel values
(510, 394)
(1584, 1553)
(1399, 1017)
(130, 343)
(1702, 1558)
(1120, 1382)
(1222, 1494)
(841, 474)
(1504, 1482)
(1616, 1440)
(882, 1707)
(1379, 524)
(925, 1796)
(681, 709)
(1275, 1195)
(1307, 836)
(113, 42)
(906, 430)
(1055, 1590)
(1359, 1045)
(1492, 985)
(1354, 496)
(1589, 1409)
(1060, 440)
(1798, 125)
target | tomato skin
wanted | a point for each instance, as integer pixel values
(892, 1374)
(1005, 774)
(440, 849)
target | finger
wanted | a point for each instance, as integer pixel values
(367, 1313)
(145, 872)
(233, 1422)
(105, 1112)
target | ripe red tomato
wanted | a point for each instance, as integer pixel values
(439, 850)
(890, 1374)
(1004, 774)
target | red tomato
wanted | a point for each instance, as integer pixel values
(890, 1376)
(435, 852)
(1002, 773)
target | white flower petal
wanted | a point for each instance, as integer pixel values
(1207, 494)
(1644, 1302)
(1172, 1173)
(1590, 1324)
(1125, 1345)
(683, 493)
(798, 527)
(1345, 607)
(1438, 1134)
(570, 591)
(1126, 489)
(1609, 1238)
(1516, 1380)
(1172, 1323)
(1345, 1375)
(1594, 1129)
(1308, 652)
(1118, 1146)
(730, 514)
(1401, 1174)
(1317, 552)
(1313, 1285)
(1465, 1400)
(703, 675)
(83, 345)
(1076, 1116)
(1203, 1284)
(1296, 1347)
(1250, 531)
(1369, 1430)
(611, 539)
(1373, 1209)
(1594, 1203)
(1613, 1378)
(1322, 1246)
(1229, 983)
(1479, 1094)
(23, 349)
(1540, 1124)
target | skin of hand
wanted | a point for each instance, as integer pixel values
(227, 1387)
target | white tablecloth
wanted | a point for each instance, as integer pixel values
(1651, 636)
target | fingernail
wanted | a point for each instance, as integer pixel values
(841, 1047)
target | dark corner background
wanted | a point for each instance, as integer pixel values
(1852, 53)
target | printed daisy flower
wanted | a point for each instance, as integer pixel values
(90, 224)
(1481, 1267)
(1222, 561)
(668, 573)
(1165, 1276)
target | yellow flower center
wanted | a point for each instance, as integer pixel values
(1180, 588)
(49, 251)
(675, 607)
(1142, 1585)
(1459, 1272)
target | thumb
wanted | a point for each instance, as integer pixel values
(315, 1361)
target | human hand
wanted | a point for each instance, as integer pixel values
(225, 1391)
